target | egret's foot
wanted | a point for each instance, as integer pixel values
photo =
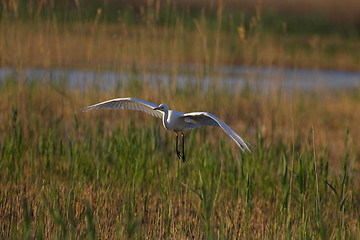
(183, 157)
(178, 154)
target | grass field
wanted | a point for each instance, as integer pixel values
(65, 174)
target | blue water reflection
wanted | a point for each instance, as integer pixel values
(225, 77)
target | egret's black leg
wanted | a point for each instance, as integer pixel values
(183, 147)
(177, 148)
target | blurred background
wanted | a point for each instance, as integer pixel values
(305, 34)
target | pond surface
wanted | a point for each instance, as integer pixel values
(225, 77)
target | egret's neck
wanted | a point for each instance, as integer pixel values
(165, 118)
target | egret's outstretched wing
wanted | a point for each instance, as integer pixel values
(127, 103)
(207, 119)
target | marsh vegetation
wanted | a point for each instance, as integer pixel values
(102, 175)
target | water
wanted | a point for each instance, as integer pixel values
(225, 77)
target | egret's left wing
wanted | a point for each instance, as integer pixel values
(207, 119)
(127, 103)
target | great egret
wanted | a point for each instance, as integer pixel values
(172, 120)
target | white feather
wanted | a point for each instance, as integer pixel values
(127, 103)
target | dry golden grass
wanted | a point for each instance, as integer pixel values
(94, 44)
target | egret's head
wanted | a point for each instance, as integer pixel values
(162, 107)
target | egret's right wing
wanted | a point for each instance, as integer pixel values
(127, 103)
(207, 119)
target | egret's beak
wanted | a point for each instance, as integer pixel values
(157, 108)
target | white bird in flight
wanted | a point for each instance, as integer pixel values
(172, 120)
